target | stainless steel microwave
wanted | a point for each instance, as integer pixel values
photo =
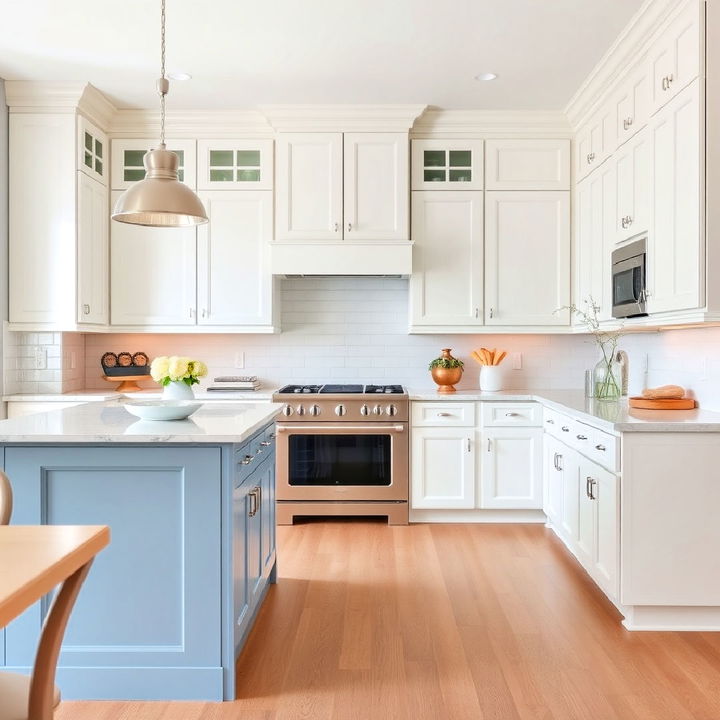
(629, 279)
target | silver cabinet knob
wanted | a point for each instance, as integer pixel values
(340, 410)
(581, 437)
(287, 411)
(364, 410)
(314, 410)
(247, 460)
(300, 410)
(349, 227)
(336, 227)
(391, 410)
(601, 448)
(377, 410)
(550, 422)
(565, 428)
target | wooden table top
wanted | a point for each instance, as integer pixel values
(34, 559)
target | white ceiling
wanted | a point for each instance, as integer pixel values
(242, 53)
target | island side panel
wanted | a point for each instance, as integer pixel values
(670, 534)
(146, 622)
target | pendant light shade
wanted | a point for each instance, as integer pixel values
(160, 200)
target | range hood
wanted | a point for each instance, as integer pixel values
(342, 258)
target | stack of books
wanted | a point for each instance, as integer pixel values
(234, 383)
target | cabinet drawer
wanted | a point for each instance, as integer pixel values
(581, 437)
(443, 414)
(557, 425)
(605, 450)
(510, 414)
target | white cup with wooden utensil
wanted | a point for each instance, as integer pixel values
(491, 376)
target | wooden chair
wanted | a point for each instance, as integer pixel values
(35, 697)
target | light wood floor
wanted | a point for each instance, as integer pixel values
(426, 622)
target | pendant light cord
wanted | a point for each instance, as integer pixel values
(163, 84)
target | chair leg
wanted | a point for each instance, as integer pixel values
(42, 683)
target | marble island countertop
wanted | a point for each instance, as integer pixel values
(262, 395)
(109, 422)
(615, 417)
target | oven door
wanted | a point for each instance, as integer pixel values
(342, 461)
(629, 290)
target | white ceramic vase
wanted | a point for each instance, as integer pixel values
(490, 378)
(178, 390)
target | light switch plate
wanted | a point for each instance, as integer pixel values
(240, 359)
(516, 360)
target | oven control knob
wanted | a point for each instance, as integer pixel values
(391, 410)
(300, 410)
(364, 410)
(314, 410)
(287, 411)
(377, 410)
(340, 410)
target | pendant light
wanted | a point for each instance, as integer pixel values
(160, 200)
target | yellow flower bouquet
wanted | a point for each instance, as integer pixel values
(165, 370)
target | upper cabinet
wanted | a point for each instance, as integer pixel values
(235, 165)
(632, 102)
(634, 182)
(447, 164)
(595, 141)
(342, 187)
(527, 257)
(537, 164)
(57, 222)
(675, 60)
(127, 161)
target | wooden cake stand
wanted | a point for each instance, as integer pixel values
(128, 383)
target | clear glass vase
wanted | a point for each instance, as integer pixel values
(607, 379)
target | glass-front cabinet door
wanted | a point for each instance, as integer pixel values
(447, 164)
(92, 150)
(235, 164)
(127, 160)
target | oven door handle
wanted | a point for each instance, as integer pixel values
(301, 428)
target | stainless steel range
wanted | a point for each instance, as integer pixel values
(342, 450)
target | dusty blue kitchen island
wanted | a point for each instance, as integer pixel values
(191, 508)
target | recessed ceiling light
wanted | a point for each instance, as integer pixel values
(179, 76)
(486, 76)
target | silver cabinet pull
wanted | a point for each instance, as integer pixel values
(492, 312)
(489, 445)
(602, 448)
(565, 428)
(477, 312)
(444, 414)
(253, 494)
(550, 422)
(591, 495)
(555, 461)
(247, 459)
(266, 443)
(511, 414)
(336, 227)
(587, 486)
(559, 462)
(468, 445)
(86, 309)
(192, 312)
(349, 227)
(581, 437)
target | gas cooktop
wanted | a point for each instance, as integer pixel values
(341, 390)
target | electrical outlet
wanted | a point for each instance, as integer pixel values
(516, 360)
(240, 360)
(40, 358)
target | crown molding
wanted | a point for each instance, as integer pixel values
(22, 96)
(96, 107)
(631, 45)
(487, 123)
(190, 123)
(341, 118)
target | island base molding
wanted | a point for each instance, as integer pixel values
(477, 516)
(671, 618)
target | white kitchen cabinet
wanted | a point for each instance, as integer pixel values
(127, 160)
(511, 468)
(675, 59)
(446, 285)
(676, 243)
(552, 480)
(443, 468)
(634, 184)
(595, 223)
(309, 192)
(376, 186)
(92, 146)
(57, 240)
(632, 102)
(152, 275)
(235, 285)
(92, 251)
(235, 164)
(527, 164)
(595, 141)
(527, 257)
(569, 462)
(444, 164)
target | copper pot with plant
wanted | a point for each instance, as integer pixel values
(446, 371)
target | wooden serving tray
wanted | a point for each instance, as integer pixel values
(642, 403)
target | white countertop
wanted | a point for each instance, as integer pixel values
(109, 422)
(263, 395)
(614, 417)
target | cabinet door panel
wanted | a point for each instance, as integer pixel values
(537, 164)
(92, 151)
(447, 279)
(443, 468)
(634, 181)
(606, 558)
(533, 226)
(511, 468)
(447, 164)
(235, 164)
(571, 498)
(152, 274)
(376, 186)
(92, 252)
(585, 545)
(676, 243)
(552, 479)
(309, 172)
(234, 278)
(127, 160)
